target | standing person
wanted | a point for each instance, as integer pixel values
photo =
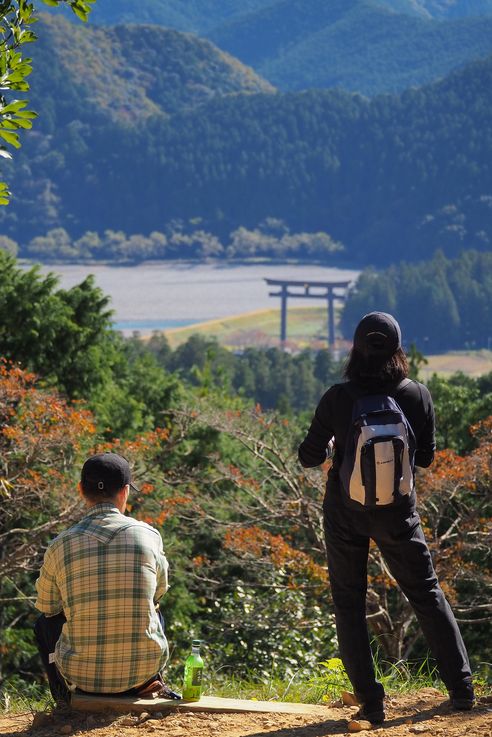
(99, 589)
(360, 505)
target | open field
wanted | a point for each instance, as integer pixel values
(473, 363)
(307, 327)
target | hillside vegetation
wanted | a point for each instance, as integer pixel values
(219, 477)
(202, 15)
(391, 178)
(356, 45)
(369, 46)
(127, 73)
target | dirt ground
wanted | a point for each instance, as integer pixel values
(425, 712)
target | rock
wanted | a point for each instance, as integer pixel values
(485, 700)
(144, 716)
(408, 721)
(65, 729)
(349, 699)
(419, 729)
(158, 715)
(128, 721)
(41, 719)
(354, 726)
(91, 720)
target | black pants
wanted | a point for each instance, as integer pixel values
(47, 631)
(399, 537)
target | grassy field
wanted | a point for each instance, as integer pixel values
(307, 328)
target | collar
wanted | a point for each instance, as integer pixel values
(102, 508)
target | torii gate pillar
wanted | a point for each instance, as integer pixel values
(330, 291)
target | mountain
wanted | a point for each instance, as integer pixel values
(201, 16)
(392, 178)
(128, 73)
(196, 16)
(356, 45)
(447, 8)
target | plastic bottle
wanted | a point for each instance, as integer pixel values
(192, 685)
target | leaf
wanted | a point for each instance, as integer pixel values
(4, 194)
(82, 14)
(11, 138)
(13, 107)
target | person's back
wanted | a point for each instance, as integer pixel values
(110, 572)
(377, 367)
(99, 590)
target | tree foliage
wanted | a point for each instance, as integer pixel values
(440, 303)
(218, 475)
(272, 239)
(16, 19)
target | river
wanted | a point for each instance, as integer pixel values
(163, 295)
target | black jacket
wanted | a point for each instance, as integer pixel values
(333, 418)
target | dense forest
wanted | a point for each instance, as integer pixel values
(440, 304)
(204, 451)
(395, 177)
(355, 45)
(369, 46)
(201, 15)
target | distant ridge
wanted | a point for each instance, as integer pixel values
(359, 45)
(200, 16)
(368, 46)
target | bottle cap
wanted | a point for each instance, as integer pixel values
(196, 643)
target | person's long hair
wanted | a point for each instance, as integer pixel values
(363, 369)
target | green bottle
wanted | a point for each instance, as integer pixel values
(192, 685)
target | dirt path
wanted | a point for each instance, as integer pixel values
(424, 713)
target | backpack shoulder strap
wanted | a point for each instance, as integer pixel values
(403, 383)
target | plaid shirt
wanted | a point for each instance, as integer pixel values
(107, 574)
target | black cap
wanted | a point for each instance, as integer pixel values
(377, 334)
(105, 474)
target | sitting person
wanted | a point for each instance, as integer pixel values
(99, 589)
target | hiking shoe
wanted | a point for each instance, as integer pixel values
(372, 711)
(462, 697)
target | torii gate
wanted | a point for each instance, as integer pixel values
(330, 290)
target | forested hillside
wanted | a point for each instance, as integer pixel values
(441, 304)
(127, 73)
(201, 15)
(356, 45)
(448, 8)
(184, 15)
(395, 177)
(368, 46)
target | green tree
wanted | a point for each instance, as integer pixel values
(16, 19)
(64, 336)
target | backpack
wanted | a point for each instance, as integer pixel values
(378, 464)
